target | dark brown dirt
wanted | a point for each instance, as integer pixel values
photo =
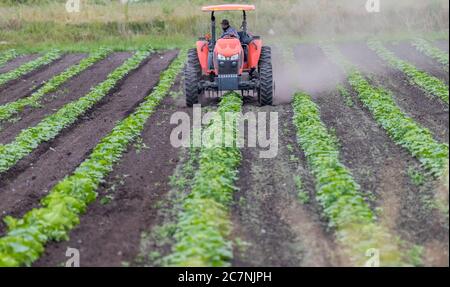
(17, 62)
(110, 233)
(32, 177)
(267, 213)
(443, 45)
(428, 111)
(409, 53)
(74, 89)
(30, 82)
(380, 167)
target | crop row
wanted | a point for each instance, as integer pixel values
(61, 208)
(426, 48)
(337, 192)
(30, 66)
(426, 82)
(7, 56)
(10, 109)
(402, 129)
(203, 225)
(49, 127)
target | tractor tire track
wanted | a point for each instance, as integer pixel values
(74, 89)
(426, 110)
(110, 234)
(32, 81)
(32, 177)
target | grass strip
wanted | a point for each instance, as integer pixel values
(30, 66)
(204, 225)
(49, 127)
(423, 80)
(61, 208)
(429, 50)
(337, 192)
(403, 130)
(7, 56)
(10, 109)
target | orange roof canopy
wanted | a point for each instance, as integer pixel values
(229, 7)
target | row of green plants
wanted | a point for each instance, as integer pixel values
(61, 208)
(337, 192)
(426, 82)
(10, 109)
(428, 49)
(49, 127)
(7, 56)
(203, 227)
(401, 128)
(30, 66)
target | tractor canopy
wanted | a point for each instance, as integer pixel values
(228, 7)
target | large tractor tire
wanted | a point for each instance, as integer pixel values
(192, 76)
(266, 85)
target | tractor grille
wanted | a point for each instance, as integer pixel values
(228, 82)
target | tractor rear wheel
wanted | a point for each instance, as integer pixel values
(192, 76)
(266, 85)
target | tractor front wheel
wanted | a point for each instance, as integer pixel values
(192, 76)
(266, 85)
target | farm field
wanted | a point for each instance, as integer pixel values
(87, 162)
(135, 215)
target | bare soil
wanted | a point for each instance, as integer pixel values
(110, 233)
(427, 110)
(409, 53)
(16, 89)
(22, 186)
(74, 89)
(17, 62)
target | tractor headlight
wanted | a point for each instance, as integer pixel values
(234, 57)
(221, 57)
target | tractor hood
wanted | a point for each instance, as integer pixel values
(228, 47)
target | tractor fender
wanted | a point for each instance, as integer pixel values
(254, 53)
(202, 53)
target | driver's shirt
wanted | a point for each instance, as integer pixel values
(230, 32)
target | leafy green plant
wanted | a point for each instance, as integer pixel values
(66, 201)
(429, 50)
(204, 225)
(49, 127)
(10, 109)
(426, 82)
(403, 130)
(417, 178)
(30, 66)
(345, 94)
(7, 56)
(302, 195)
(337, 192)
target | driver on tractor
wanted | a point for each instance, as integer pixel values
(228, 31)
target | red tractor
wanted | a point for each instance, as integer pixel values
(229, 63)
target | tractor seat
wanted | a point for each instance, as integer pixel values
(245, 39)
